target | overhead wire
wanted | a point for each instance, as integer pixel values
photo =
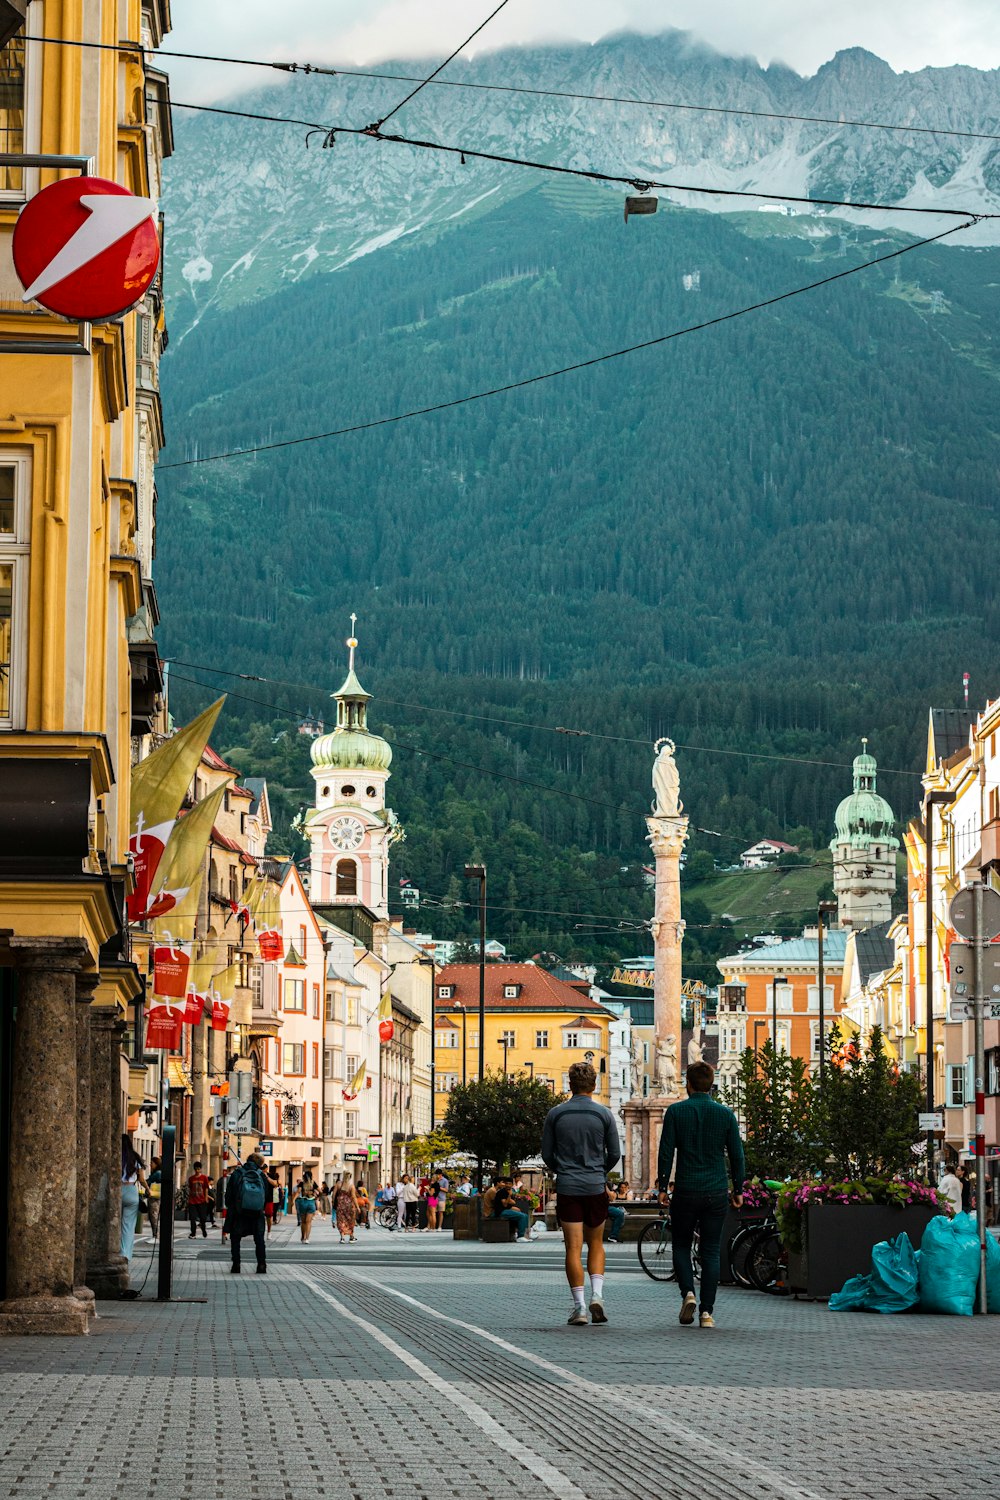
(594, 734)
(326, 71)
(583, 364)
(441, 67)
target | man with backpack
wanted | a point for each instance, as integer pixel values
(248, 1192)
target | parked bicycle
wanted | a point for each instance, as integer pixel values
(656, 1250)
(756, 1255)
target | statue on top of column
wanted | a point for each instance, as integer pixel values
(666, 1065)
(666, 781)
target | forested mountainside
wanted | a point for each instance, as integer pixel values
(671, 542)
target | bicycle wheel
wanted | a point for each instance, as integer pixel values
(656, 1251)
(739, 1249)
(766, 1264)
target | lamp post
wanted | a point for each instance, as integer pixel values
(504, 1043)
(778, 979)
(531, 1070)
(461, 1007)
(478, 872)
(431, 963)
(821, 911)
(757, 1025)
(941, 799)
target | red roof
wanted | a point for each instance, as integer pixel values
(241, 791)
(539, 990)
(210, 758)
(224, 842)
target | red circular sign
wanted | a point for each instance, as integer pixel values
(86, 248)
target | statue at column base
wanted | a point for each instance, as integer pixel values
(34, 1315)
(85, 1295)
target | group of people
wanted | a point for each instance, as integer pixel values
(700, 1138)
(408, 1193)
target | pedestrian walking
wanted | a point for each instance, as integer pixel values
(247, 1194)
(133, 1179)
(345, 1204)
(580, 1147)
(701, 1133)
(400, 1191)
(324, 1202)
(411, 1203)
(950, 1188)
(305, 1207)
(222, 1182)
(277, 1203)
(154, 1180)
(197, 1191)
(962, 1173)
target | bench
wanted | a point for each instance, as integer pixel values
(497, 1231)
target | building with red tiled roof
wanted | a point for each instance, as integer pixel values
(535, 1024)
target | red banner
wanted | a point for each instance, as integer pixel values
(386, 1030)
(220, 1015)
(272, 945)
(170, 972)
(164, 1024)
(194, 1008)
(146, 847)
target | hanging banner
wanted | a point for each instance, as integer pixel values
(164, 1026)
(386, 1025)
(170, 971)
(165, 1015)
(184, 859)
(271, 944)
(357, 1083)
(221, 996)
(158, 786)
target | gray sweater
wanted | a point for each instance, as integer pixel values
(580, 1145)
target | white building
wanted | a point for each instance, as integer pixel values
(764, 853)
(864, 850)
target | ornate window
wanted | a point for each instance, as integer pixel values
(347, 877)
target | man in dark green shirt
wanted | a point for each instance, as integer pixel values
(701, 1133)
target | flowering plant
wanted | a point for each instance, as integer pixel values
(794, 1199)
(757, 1198)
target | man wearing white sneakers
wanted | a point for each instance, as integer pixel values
(580, 1146)
(702, 1133)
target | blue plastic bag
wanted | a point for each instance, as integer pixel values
(949, 1266)
(992, 1274)
(889, 1287)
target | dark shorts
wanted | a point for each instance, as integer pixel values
(591, 1210)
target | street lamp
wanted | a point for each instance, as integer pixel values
(942, 800)
(505, 1044)
(778, 979)
(757, 1025)
(478, 872)
(461, 1007)
(432, 964)
(531, 1070)
(821, 911)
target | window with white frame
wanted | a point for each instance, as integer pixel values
(784, 997)
(448, 1037)
(565, 1083)
(352, 1120)
(446, 992)
(541, 1039)
(293, 1058)
(295, 994)
(449, 1082)
(328, 1124)
(813, 1001)
(338, 1062)
(351, 1008)
(956, 1084)
(328, 1062)
(511, 991)
(571, 1039)
(507, 1039)
(14, 530)
(352, 1065)
(784, 1036)
(256, 985)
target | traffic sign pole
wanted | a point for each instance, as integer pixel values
(980, 1066)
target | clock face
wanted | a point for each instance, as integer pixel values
(346, 833)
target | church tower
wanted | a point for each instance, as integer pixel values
(350, 829)
(864, 850)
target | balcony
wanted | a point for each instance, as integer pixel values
(266, 1018)
(990, 844)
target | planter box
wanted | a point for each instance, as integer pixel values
(839, 1239)
(465, 1219)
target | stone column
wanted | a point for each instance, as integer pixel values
(42, 1184)
(107, 1268)
(667, 836)
(86, 984)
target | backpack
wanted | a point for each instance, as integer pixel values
(251, 1190)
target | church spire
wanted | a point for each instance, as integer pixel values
(351, 699)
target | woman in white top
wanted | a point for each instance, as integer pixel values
(401, 1202)
(133, 1178)
(411, 1198)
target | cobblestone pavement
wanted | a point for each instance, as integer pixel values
(411, 1366)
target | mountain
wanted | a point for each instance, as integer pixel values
(250, 207)
(765, 538)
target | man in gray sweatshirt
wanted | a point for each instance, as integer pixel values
(580, 1146)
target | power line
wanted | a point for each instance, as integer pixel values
(641, 184)
(593, 734)
(512, 88)
(430, 79)
(583, 364)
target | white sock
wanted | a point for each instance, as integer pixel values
(597, 1287)
(577, 1296)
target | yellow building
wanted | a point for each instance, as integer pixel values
(80, 429)
(535, 1023)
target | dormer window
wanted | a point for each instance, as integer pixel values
(446, 992)
(511, 991)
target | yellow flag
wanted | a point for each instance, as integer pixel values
(158, 786)
(184, 860)
(357, 1083)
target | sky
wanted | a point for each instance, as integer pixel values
(909, 34)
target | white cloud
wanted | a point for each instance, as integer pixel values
(909, 34)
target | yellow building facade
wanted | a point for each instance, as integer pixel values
(535, 1024)
(80, 429)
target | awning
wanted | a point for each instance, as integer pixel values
(178, 1076)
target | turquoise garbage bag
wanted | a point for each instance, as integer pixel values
(889, 1287)
(992, 1274)
(949, 1266)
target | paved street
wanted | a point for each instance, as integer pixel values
(415, 1367)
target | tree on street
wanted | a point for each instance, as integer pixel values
(499, 1120)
